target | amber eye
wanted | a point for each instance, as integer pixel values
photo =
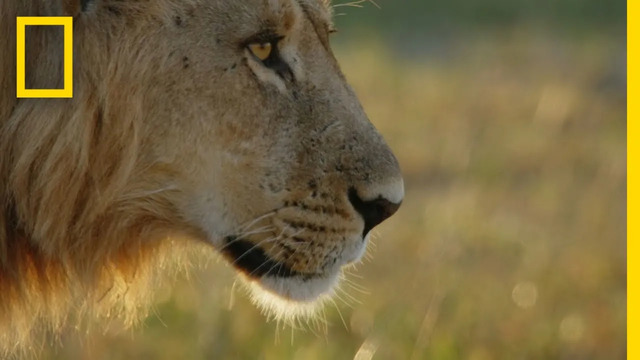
(261, 50)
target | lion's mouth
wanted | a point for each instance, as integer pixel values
(275, 276)
(252, 261)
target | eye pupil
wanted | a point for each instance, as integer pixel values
(261, 50)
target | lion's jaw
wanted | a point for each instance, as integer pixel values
(277, 277)
(286, 295)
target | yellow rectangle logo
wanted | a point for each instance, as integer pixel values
(21, 24)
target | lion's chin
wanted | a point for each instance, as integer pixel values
(279, 290)
(292, 298)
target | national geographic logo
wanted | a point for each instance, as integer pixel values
(67, 23)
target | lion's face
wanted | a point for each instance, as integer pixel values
(251, 135)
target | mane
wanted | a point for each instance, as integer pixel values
(75, 236)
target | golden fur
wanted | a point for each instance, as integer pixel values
(176, 137)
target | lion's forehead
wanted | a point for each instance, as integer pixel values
(234, 21)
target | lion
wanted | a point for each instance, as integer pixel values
(217, 124)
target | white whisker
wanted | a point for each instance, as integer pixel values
(339, 314)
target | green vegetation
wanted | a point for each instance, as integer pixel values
(416, 16)
(511, 241)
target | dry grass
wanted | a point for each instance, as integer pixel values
(511, 241)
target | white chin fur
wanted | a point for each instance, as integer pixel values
(290, 299)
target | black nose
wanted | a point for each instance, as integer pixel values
(373, 211)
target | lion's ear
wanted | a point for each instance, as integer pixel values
(74, 7)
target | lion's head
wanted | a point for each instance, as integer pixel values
(222, 122)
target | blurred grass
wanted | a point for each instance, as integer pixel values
(429, 16)
(510, 243)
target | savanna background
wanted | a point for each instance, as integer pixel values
(508, 118)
